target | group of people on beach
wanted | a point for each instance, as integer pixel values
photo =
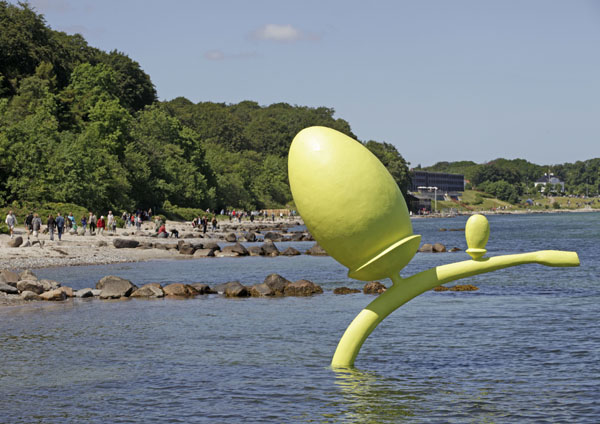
(60, 223)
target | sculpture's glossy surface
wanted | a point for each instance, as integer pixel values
(350, 203)
(354, 209)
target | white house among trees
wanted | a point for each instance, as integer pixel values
(550, 180)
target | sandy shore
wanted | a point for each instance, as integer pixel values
(94, 250)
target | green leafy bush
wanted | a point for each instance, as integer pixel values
(174, 212)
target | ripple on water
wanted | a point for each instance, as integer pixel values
(524, 348)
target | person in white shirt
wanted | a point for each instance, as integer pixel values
(11, 221)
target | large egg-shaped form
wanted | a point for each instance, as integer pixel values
(350, 203)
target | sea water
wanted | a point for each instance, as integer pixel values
(525, 347)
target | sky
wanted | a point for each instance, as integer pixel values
(440, 80)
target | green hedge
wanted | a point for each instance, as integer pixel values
(174, 212)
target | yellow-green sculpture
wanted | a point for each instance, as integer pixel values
(354, 209)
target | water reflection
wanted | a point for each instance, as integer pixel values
(369, 397)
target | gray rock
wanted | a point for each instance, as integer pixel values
(270, 249)
(9, 277)
(29, 295)
(67, 291)
(439, 248)
(27, 275)
(180, 290)
(204, 253)
(96, 292)
(114, 287)
(427, 248)
(102, 243)
(149, 290)
(220, 288)
(345, 290)
(231, 238)
(290, 251)
(374, 287)
(5, 288)
(261, 290)
(272, 236)
(31, 285)
(277, 283)
(235, 248)
(53, 295)
(83, 293)
(236, 289)
(302, 288)
(256, 251)
(211, 245)
(49, 284)
(125, 243)
(203, 288)
(230, 254)
(316, 250)
(187, 249)
(250, 236)
(15, 242)
(297, 236)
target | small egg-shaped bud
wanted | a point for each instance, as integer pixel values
(477, 232)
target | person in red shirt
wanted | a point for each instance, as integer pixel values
(101, 225)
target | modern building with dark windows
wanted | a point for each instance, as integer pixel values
(429, 187)
(445, 183)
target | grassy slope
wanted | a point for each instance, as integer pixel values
(472, 200)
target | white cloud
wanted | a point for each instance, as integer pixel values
(282, 33)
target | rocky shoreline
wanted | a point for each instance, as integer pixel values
(25, 287)
(131, 245)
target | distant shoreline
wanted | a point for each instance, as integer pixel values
(505, 212)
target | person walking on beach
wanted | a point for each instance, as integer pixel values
(83, 223)
(204, 222)
(92, 221)
(110, 219)
(36, 225)
(214, 223)
(11, 221)
(28, 223)
(71, 221)
(51, 223)
(100, 224)
(60, 225)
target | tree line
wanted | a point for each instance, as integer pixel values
(79, 125)
(513, 179)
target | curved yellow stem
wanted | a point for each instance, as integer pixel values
(404, 290)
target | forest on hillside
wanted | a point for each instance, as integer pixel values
(83, 126)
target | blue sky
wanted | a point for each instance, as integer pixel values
(441, 80)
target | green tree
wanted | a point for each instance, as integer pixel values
(393, 161)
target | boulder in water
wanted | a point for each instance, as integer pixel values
(302, 288)
(374, 287)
